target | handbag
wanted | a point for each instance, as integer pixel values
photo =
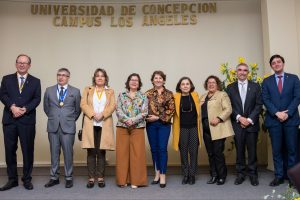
(80, 131)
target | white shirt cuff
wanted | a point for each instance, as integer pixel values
(237, 118)
(250, 120)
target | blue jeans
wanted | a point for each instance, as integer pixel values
(158, 137)
(288, 134)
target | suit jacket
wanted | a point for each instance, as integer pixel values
(30, 98)
(289, 99)
(107, 141)
(252, 108)
(65, 115)
(176, 118)
(219, 106)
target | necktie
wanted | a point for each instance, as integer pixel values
(61, 93)
(279, 84)
(243, 94)
(21, 83)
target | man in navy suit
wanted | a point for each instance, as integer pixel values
(245, 97)
(281, 96)
(20, 94)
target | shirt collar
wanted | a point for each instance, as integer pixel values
(155, 90)
(19, 75)
(64, 86)
(105, 87)
(276, 75)
(137, 94)
(243, 82)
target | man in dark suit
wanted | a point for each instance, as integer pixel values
(281, 96)
(20, 94)
(245, 97)
(62, 107)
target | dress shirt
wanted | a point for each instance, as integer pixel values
(59, 88)
(19, 78)
(277, 79)
(99, 105)
(240, 91)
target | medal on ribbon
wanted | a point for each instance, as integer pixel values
(62, 96)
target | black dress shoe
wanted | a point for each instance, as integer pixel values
(51, 183)
(185, 180)
(10, 184)
(90, 184)
(192, 180)
(154, 182)
(101, 183)
(212, 180)
(69, 183)
(254, 180)
(221, 181)
(291, 184)
(276, 182)
(239, 180)
(162, 185)
(28, 186)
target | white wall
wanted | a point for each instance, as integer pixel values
(196, 51)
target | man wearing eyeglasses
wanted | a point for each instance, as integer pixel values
(20, 94)
(62, 107)
(245, 97)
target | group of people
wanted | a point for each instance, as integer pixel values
(214, 116)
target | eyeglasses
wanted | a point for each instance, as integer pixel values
(188, 110)
(63, 75)
(22, 63)
(134, 80)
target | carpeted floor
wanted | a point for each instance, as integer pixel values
(174, 189)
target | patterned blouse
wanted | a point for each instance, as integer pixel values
(162, 105)
(135, 109)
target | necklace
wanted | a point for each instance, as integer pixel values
(188, 110)
(99, 94)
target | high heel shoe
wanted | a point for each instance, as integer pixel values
(90, 184)
(154, 182)
(123, 186)
(134, 186)
(162, 185)
(192, 180)
(101, 183)
(185, 180)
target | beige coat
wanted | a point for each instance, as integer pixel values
(219, 106)
(107, 136)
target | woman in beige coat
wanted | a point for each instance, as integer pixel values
(215, 115)
(97, 104)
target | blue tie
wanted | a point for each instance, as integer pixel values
(61, 93)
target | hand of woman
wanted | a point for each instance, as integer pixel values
(129, 122)
(98, 117)
(152, 118)
(215, 121)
